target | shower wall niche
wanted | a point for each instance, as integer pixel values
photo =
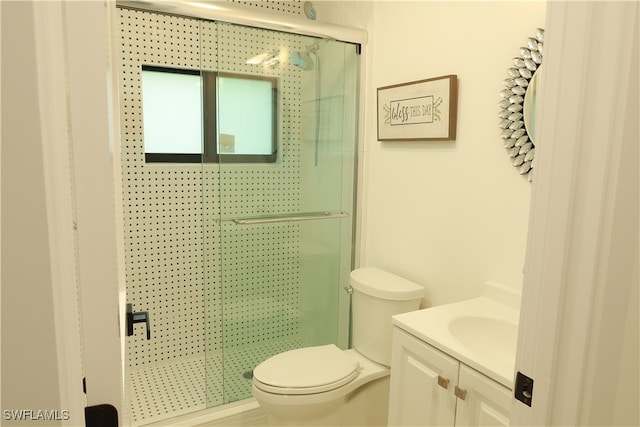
(223, 296)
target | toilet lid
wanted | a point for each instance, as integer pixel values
(306, 370)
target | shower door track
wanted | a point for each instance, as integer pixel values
(287, 218)
(237, 14)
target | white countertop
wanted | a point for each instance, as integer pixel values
(480, 332)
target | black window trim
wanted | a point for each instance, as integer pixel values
(210, 130)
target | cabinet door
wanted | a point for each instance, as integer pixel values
(487, 403)
(422, 383)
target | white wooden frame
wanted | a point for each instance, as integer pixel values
(89, 27)
(55, 137)
(423, 110)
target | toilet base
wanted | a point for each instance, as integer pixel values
(365, 406)
(321, 414)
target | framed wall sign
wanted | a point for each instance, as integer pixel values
(424, 110)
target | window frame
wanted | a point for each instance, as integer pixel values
(210, 107)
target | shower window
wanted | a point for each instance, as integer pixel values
(190, 116)
(246, 99)
(172, 115)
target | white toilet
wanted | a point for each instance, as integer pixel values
(328, 386)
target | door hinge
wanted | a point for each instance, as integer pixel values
(84, 385)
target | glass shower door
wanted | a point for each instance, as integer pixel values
(237, 249)
(164, 214)
(286, 142)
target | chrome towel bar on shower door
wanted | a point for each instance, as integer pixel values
(309, 216)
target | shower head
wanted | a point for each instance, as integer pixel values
(302, 60)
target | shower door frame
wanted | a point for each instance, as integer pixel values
(232, 13)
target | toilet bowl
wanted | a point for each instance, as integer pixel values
(319, 395)
(325, 385)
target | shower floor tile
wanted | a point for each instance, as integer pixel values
(166, 390)
(161, 391)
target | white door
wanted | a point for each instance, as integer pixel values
(578, 337)
(422, 383)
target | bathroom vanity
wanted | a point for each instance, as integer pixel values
(454, 364)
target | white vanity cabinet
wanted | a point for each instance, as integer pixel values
(431, 388)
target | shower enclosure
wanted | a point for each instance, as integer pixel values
(238, 170)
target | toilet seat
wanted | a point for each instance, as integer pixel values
(306, 370)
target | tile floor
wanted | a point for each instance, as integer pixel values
(176, 388)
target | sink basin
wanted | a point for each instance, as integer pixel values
(480, 332)
(485, 336)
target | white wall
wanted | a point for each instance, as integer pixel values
(448, 215)
(29, 360)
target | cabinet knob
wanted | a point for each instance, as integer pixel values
(460, 393)
(443, 382)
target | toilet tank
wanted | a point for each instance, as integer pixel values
(378, 295)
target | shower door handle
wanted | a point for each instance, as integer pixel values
(309, 216)
(137, 317)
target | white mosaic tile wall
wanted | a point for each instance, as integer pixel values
(293, 7)
(162, 203)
